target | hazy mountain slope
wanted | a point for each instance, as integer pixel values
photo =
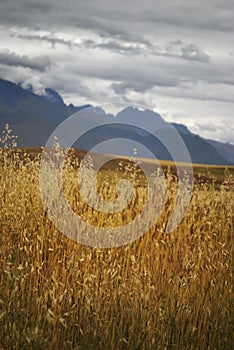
(201, 151)
(226, 150)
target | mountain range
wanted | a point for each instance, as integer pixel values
(34, 117)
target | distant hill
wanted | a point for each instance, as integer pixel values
(226, 150)
(33, 118)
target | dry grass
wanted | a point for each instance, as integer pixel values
(163, 291)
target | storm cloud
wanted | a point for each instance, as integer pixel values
(173, 56)
(39, 63)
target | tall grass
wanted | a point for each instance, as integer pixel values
(163, 291)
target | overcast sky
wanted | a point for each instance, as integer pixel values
(176, 57)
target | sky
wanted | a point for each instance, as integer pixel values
(174, 56)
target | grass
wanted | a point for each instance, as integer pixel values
(163, 291)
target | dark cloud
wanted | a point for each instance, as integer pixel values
(212, 15)
(119, 18)
(120, 41)
(38, 6)
(191, 52)
(176, 49)
(44, 37)
(129, 48)
(179, 49)
(118, 47)
(40, 63)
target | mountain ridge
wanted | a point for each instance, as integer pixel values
(34, 117)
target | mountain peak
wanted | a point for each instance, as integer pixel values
(145, 118)
(53, 96)
(181, 128)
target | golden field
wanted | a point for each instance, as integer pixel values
(162, 291)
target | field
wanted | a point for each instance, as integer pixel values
(162, 291)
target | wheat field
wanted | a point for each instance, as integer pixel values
(162, 291)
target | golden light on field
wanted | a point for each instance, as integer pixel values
(163, 291)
